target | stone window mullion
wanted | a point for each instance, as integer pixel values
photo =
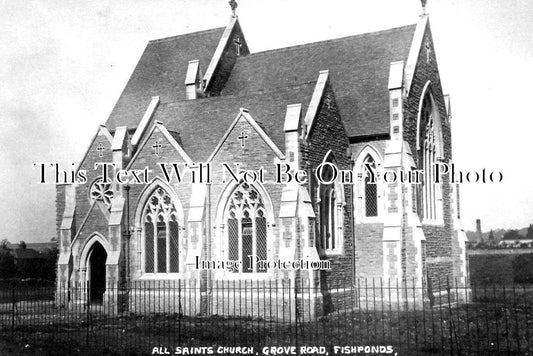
(167, 233)
(156, 263)
(159, 210)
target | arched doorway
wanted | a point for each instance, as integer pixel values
(97, 273)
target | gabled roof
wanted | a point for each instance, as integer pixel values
(37, 246)
(161, 72)
(26, 254)
(171, 137)
(201, 123)
(245, 115)
(264, 83)
(358, 68)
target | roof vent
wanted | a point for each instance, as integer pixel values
(193, 81)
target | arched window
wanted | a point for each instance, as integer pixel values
(161, 233)
(371, 189)
(246, 227)
(328, 217)
(368, 191)
(329, 208)
(429, 197)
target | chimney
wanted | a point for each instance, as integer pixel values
(478, 228)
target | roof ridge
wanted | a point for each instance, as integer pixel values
(339, 39)
(243, 95)
(185, 35)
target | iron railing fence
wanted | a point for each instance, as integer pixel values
(453, 319)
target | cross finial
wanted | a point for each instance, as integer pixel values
(233, 4)
(424, 2)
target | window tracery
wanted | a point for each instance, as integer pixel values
(370, 188)
(101, 192)
(429, 197)
(246, 227)
(161, 234)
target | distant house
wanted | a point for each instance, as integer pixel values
(515, 243)
(32, 260)
(27, 260)
(40, 247)
(25, 254)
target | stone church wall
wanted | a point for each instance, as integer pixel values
(439, 258)
(147, 158)
(363, 257)
(369, 247)
(368, 235)
(328, 134)
(83, 201)
(60, 207)
(93, 156)
(227, 61)
(253, 156)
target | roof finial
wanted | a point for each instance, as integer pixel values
(424, 2)
(233, 4)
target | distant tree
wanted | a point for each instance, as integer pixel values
(7, 265)
(512, 235)
(22, 245)
(4, 244)
(50, 264)
(491, 235)
(529, 233)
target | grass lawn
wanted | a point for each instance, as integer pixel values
(470, 329)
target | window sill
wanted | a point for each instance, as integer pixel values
(433, 222)
(328, 253)
(229, 276)
(370, 220)
(162, 276)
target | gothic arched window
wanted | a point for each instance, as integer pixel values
(246, 227)
(368, 191)
(429, 197)
(161, 234)
(329, 206)
(371, 189)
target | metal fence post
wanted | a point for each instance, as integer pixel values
(296, 312)
(451, 325)
(88, 314)
(13, 305)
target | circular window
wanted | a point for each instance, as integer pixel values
(101, 192)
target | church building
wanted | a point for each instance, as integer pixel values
(290, 165)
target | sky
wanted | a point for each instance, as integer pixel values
(64, 64)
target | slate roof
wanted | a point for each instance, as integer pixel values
(265, 83)
(358, 72)
(201, 123)
(37, 246)
(161, 72)
(26, 254)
